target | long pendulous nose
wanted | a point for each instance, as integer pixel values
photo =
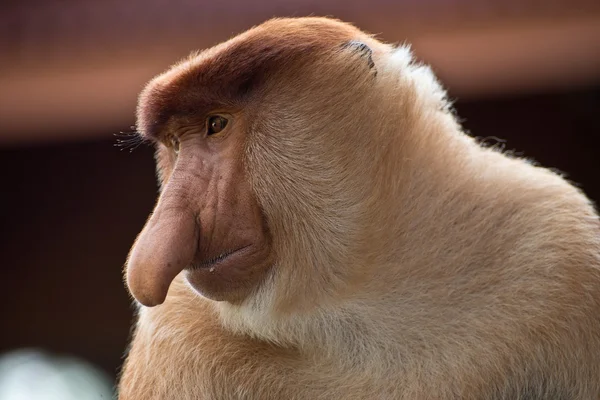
(165, 246)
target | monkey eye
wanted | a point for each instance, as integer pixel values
(216, 124)
(175, 144)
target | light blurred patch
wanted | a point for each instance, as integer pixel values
(30, 374)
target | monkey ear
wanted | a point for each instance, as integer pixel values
(363, 50)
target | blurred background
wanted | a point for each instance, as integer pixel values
(71, 203)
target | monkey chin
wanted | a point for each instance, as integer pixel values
(231, 276)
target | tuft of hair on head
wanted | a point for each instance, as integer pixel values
(363, 50)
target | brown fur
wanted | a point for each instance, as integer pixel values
(399, 259)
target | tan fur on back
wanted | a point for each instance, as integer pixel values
(412, 263)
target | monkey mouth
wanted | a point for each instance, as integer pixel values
(213, 261)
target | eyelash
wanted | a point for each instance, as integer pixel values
(130, 140)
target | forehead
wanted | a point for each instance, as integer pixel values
(227, 74)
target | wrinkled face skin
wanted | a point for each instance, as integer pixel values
(207, 222)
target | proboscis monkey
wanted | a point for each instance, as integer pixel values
(325, 230)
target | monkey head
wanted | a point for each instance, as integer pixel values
(264, 153)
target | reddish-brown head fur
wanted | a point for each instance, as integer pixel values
(228, 74)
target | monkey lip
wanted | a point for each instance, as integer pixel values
(214, 261)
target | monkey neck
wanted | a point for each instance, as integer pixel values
(323, 332)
